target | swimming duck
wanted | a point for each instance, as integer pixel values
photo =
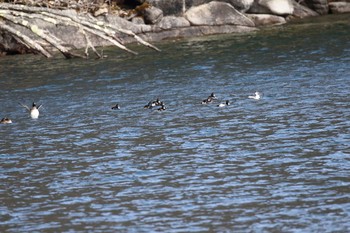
(149, 105)
(210, 98)
(157, 102)
(34, 110)
(116, 107)
(224, 104)
(153, 103)
(162, 108)
(5, 120)
(206, 101)
(257, 96)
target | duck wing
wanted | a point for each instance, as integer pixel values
(24, 106)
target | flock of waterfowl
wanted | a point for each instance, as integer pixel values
(34, 109)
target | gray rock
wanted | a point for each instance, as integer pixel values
(152, 15)
(103, 10)
(194, 31)
(266, 19)
(169, 7)
(301, 11)
(339, 7)
(175, 7)
(169, 22)
(138, 20)
(217, 13)
(240, 5)
(276, 7)
(256, 8)
(320, 6)
(72, 36)
(123, 23)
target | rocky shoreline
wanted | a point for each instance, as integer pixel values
(164, 19)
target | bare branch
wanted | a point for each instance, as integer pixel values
(18, 13)
(27, 40)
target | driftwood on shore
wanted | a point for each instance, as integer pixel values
(25, 16)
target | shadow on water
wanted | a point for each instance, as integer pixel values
(276, 164)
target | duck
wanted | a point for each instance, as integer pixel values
(34, 110)
(257, 96)
(5, 120)
(157, 102)
(210, 99)
(153, 103)
(162, 108)
(212, 96)
(149, 105)
(116, 107)
(206, 101)
(224, 104)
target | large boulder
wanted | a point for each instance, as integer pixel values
(339, 7)
(138, 20)
(194, 31)
(276, 7)
(152, 15)
(241, 5)
(170, 22)
(217, 13)
(301, 11)
(266, 19)
(320, 6)
(123, 23)
(177, 7)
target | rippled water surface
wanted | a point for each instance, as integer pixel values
(279, 164)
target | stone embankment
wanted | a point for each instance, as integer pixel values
(154, 20)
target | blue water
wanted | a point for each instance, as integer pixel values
(279, 164)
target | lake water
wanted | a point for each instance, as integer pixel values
(278, 164)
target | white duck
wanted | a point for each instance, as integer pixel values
(224, 104)
(34, 110)
(257, 96)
